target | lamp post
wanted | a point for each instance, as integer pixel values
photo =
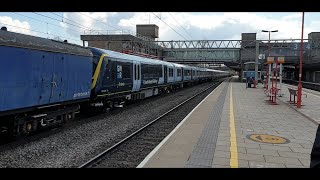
(300, 68)
(267, 71)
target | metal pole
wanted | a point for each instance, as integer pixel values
(269, 44)
(268, 73)
(280, 76)
(272, 84)
(300, 68)
(256, 63)
(276, 86)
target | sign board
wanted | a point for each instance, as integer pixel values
(262, 56)
(248, 74)
(280, 60)
(265, 138)
(270, 60)
(296, 46)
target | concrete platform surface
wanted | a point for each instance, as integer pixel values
(236, 127)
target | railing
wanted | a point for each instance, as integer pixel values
(308, 85)
(293, 44)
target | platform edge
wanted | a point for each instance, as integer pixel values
(149, 156)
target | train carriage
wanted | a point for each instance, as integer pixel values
(39, 76)
(45, 82)
(178, 74)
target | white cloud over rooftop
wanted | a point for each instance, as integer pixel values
(16, 25)
(213, 26)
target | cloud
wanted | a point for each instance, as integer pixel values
(16, 25)
(224, 25)
(214, 26)
(87, 22)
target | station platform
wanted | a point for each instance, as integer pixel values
(236, 127)
(310, 106)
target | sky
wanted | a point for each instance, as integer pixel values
(172, 25)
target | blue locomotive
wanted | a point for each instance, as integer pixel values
(45, 82)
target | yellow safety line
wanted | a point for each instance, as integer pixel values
(233, 136)
(97, 71)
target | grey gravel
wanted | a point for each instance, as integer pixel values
(77, 144)
(132, 152)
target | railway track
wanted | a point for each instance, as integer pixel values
(130, 151)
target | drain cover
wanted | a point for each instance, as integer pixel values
(266, 138)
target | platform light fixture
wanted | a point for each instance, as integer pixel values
(300, 66)
(269, 39)
(268, 79)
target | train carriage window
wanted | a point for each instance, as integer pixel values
(178, 72)
(186, 72)
(160, 71)
(144, 71)
(170, 72)
(126, 73)
(151, 71)
(138, 71)
(135, 70)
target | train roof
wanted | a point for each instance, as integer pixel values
(119, 55)
(13, 39)
(180, 65)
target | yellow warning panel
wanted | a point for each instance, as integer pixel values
(280, 60)
(270, 60)
(265, 138)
